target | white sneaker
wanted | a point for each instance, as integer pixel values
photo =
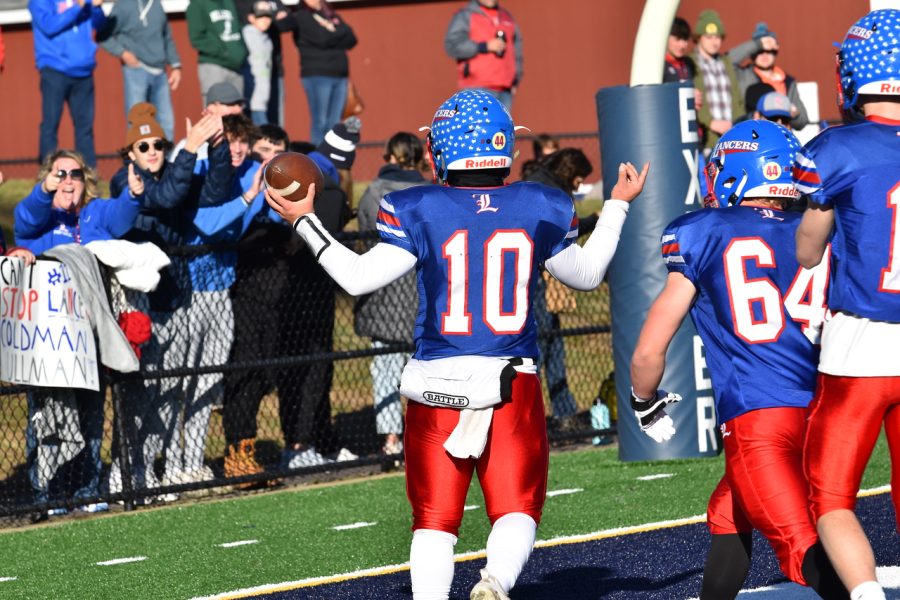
(392, 448)
(95, 507)
(204, 473)
(488, 588)
(306, 458)
(152, 481)
(345, 455)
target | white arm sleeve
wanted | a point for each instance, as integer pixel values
(357, 273)
(583, 268)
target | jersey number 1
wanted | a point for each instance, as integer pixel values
(804, 300)
(890, 277)
(457, 320)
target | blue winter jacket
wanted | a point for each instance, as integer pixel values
(39, 226)
(223, 224)
(64, 35)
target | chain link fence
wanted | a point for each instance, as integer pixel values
(258, 379)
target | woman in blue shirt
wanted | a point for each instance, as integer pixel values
(64, 207)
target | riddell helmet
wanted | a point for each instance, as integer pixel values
(471, 130)
(869, 59)
(754, 159)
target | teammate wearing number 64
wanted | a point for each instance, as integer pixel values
(758, 313)
(475, 398)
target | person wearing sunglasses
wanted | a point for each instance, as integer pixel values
(754, 62)
(64, 207)
(172, 191)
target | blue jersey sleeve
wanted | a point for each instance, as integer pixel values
(809, 180)
(389, 225)
(675, 247)
(566, 221)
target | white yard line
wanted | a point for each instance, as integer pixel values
(564, 492)
(121, 561)
(471, 507)
(354, 525)
(558, 541)
(657, 476)
(240, 543)
(2, 579)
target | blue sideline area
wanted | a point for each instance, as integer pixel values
(665, 564)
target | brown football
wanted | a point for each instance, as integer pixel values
(289, 174)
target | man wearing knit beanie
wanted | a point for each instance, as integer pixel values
(760, 53)
(339, 144)
(715, 79)
(142, 123)
(709, 23)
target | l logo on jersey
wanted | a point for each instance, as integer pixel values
(484, 203)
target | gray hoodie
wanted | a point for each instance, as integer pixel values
(387, 314)
(141, 27)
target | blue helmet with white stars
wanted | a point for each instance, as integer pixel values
(753, 159)
(471, 130)
(869, 59)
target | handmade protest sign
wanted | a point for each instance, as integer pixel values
(45, 328)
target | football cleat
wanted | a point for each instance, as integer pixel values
(488, 588)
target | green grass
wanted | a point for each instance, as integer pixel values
(296, 539)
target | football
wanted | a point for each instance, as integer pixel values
(289, 174)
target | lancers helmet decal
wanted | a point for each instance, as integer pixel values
(869, 59)
(471, 130)
(754, 159)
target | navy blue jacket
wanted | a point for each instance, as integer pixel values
(168, 208)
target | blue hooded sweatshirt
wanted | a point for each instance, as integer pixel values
(64, 35)
(39, 226)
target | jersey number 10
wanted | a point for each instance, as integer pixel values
(804, 300)
(457, 320)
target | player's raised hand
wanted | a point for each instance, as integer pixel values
(291, 211)
(630, 183)
(652, 417)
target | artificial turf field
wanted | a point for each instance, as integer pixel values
(313, 542)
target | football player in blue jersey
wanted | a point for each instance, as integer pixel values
(475, 398)
(851, 176)
(758, 313)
